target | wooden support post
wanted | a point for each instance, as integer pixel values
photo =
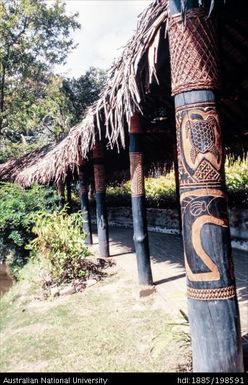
(138, 206)
(212, 300)
(177, 190)
(68, 190)
(61, 193)
(101, 211)
(83, 184)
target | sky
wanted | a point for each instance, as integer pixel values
(106, 26)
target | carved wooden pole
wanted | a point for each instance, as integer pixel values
(83, 184)
(101, 212)
(177, 189)
(61, 193)
(212, 301)
(138, 206)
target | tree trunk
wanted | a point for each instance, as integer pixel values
(2, 99)
(212, 300)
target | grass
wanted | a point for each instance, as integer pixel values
(104, 328)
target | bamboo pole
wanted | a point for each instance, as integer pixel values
(140, 236)
(212, 299)
(101, 211)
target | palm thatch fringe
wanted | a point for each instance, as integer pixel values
(10, 169)
(125, 88)
(131, 77)
(65, 157)
(129, 81)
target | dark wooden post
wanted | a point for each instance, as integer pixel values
(212, 300)
(101, 211)
(68, 191)
(61, 193)
(177, 189)
(138, 206)
(83, 184)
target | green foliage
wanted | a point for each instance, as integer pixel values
(16, 206)
(84, 91)
(119, 195)
(37, 106)
(34, 35)
(237, 184)
(161, 192)
(60, 245)
(10, 150)
(237, 175)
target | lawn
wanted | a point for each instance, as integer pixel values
(105, 328)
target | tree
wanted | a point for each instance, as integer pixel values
(54, 112)
(84, 91)
(34, 35)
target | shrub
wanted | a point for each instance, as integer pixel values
(161, 192)
(237, 175)
(237, 184)
(16, 205)
(59, 245)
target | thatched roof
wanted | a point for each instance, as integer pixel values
(63, 158)
(125, 89)
(10, 169)
(140, 80)
(142, 75)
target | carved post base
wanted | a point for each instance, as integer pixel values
(214, 326)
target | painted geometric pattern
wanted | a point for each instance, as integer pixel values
(137, 176)
(99, 177)
(206, 171)
(211, 294)
(193, 41)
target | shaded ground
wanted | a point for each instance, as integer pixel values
(169, 273)
(105, 328)
(108, 327)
